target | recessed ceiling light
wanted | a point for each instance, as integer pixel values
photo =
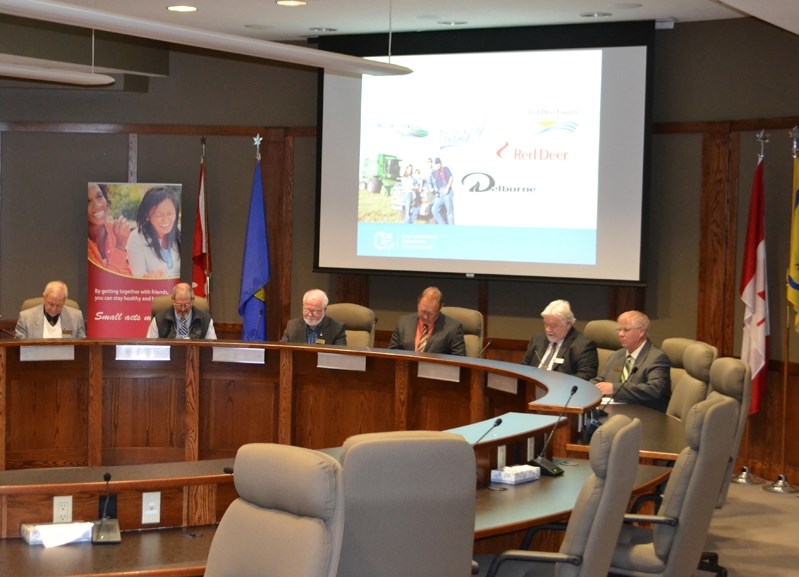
(182, 8)
(322, 29)
(291, 2)
(596, 14)
(452, 22)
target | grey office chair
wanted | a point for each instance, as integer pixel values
(473, 328)
(288, 519)
(597, 517)
(163, 302)
(669, 544)
(358, 320)
(410, 505)
(690, 372)
(39, 301)
(605, 335)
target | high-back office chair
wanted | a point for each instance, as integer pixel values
(410, 505)
(597, 516)
(473, 328)
(358, 320)
(690, 372)
(288, 519)
(39, 301)
(605, 335)
(670, 544)
(732, 378)
(163, 302)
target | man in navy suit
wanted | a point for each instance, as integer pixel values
(52, 319)
(427, 330)
(314, 327)
(639, 372)
(561, 347)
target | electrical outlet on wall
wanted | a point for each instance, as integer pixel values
(151, 507)
(62, 509)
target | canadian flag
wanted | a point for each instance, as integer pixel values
(201, 254)
(754, 294)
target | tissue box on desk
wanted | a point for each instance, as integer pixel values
(515, 475)
(53, 534)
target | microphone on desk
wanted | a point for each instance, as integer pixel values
(106, 530)
(496, 424)
(483, 350)
(593, 424)
(548, 468)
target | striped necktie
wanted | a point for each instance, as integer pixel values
(548, 356)
(183, 328)
(628, 366)
(422, 340)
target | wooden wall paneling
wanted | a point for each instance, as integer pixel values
(402, 395)
(718, 212)
(95, 407)
(351, 288)
(199, 505)
(46, 412)
(144, 409)
(238, 405)
(191, 408)
(276, 171)
(439, 405)
(285, 424)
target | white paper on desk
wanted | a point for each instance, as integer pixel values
(55, 534)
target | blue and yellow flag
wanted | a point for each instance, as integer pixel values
(255, 270)
(793, 255)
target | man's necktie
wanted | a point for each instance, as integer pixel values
(183, 328)
(422, 340)
(628, 366)
(548, 356)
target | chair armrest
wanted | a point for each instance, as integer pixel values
(531, 556)
(531, 532)
(653, 519)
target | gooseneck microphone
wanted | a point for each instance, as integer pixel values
(496, 424)
(483, 350)
(548, 468)
(106, 530)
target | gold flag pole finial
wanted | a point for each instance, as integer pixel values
(257, 142)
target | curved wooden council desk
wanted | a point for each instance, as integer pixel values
(97, 407)
(662, 436)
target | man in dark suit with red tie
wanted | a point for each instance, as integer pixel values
(427, 330)
(561, 347)
(639, 372)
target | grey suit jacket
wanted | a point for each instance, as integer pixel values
(447, 336)
(30, 324)
(649, 385)
(577, 354)
(331, 332)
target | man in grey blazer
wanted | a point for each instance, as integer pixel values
(314, 326)
(52, 320)
(427, 330)
(561, 347)
(639, 372)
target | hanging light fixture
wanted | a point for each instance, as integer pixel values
(110, 22)
(50, 74)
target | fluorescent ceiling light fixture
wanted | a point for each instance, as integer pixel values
(182, 8)
(111, 22)
(290, 2)
(59, 75)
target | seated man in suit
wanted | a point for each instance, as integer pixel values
(427, 330)
(314, 326)
(639, 372)
(183, 320)
(62, 322)
(561, 347)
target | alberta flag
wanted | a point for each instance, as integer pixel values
(255, 270)
(754, 349)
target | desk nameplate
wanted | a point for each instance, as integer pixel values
(47, 353)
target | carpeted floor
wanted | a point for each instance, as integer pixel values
(755, 533)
